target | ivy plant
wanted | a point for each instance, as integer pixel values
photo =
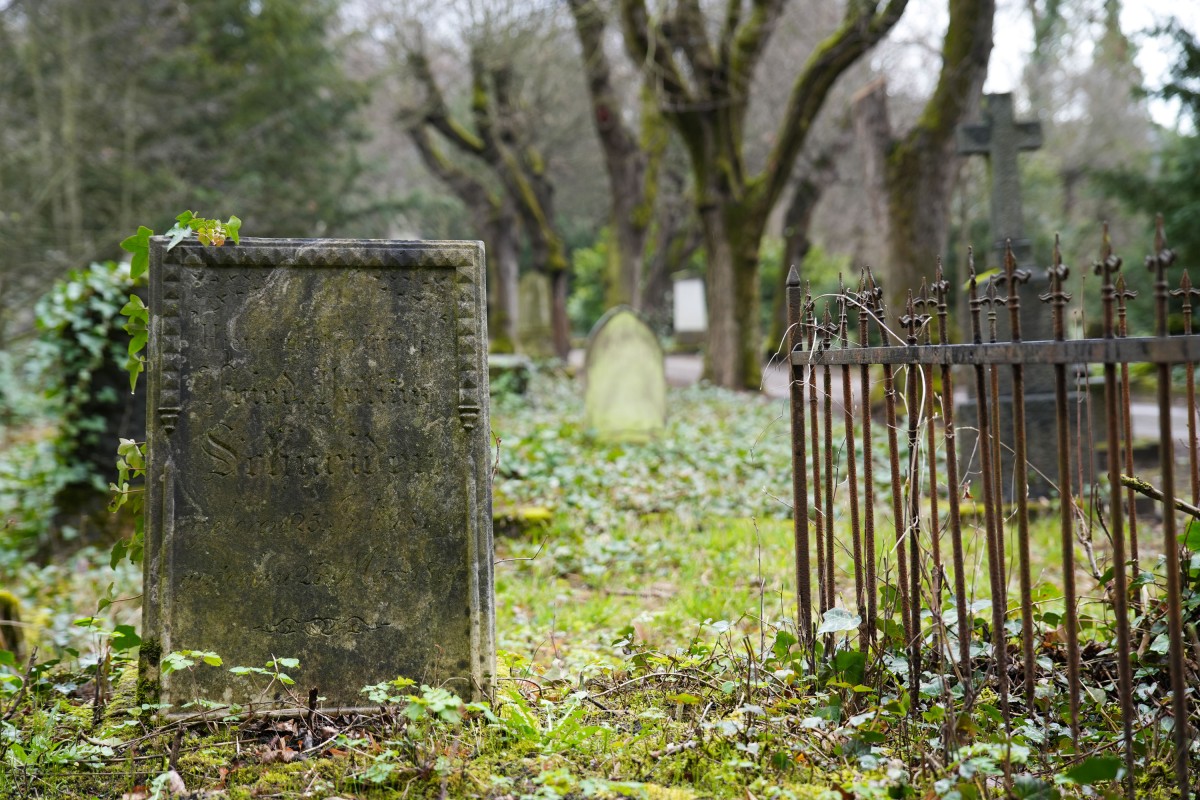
(131, 455)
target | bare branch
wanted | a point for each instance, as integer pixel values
(861, 30)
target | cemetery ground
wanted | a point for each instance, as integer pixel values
(645, 621)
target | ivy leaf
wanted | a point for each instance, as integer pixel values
(1027, 787)
(125, 638)
(186, 218)
(134, 366)
(1094, 770)
(139, 246)
(1191, 539)
(837, 620)
(178, 234)
(173, 662)
(232, 227)
(118, 552)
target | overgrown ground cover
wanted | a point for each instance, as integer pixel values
(647, 650)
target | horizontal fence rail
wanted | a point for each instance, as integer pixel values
(935, 463)
(1175, 350)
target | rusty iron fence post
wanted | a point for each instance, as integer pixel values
(1158, 262)
(1109, 264)
(991, 499)
(913, 322)
(851, 470)
(869, 297)
(795, 307)
(1058, 299)
(1012, 278)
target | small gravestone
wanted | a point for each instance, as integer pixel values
(318, 482)
(626, 393)
(535, 336)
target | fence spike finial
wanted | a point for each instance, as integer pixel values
(1012, 277)
(843, 310)
(925, 302)
(941, 288)
(973, 302)
(992, 298)
(1106, 266)
(1186, 291)
(793, 276)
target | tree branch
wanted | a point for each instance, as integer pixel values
(965, 52)
(435, 111)
(646, 44)
(468, 188)
(861, 30)
(1143, 487)
(616, 139)
(688, 34)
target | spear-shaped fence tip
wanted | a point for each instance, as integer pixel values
(793, 276)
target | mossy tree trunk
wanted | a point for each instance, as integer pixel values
(497, 222)
(917, 173)
(705, 98)
(514, 160)
(632, 161)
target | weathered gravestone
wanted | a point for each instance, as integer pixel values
(535, 335)
(1000, 137)
(626, 393)
(318, 482)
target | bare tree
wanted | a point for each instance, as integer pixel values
(702, 85)
(497, 221)
(497, 139)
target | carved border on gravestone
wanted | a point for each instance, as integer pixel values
(169, 399)
(323, 253)
(468, 350)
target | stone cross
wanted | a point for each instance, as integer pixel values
(318, 484)
(1000, 137)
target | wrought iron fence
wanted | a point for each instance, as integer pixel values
(930, 471)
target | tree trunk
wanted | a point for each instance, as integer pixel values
(625, 160)
(796, 244)
(503, 247)
(919, 170)
(732, 294)
(559, 323)
(625, 267)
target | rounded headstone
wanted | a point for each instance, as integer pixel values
(626, 394)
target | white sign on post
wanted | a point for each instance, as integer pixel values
(691, 311)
